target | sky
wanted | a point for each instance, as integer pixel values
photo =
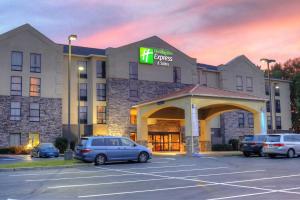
(213, 31)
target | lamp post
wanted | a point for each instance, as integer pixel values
(268, 61)
(69, 153)
(80, 69)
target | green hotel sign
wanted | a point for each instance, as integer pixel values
(155, 56)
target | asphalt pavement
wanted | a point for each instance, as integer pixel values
(171, 177)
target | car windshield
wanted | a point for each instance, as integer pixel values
(273, 138)
(83, 142)
(46, 145)
(248, 138)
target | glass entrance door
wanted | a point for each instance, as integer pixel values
(165, 141)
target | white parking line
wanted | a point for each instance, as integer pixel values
(243, 195)
(187, 170)
(226, 173)
(156, 167)
(57, 173)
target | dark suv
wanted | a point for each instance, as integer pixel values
(253, 144)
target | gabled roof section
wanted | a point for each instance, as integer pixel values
(242, 58)
(201, 91)
(27, 27)
(208, 67)
(84, 51)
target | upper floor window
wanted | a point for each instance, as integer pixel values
(133, 70)
(239, 83)
(15, 110)
(16, 86)
(277, 90)
(14, 139)
(176, 74)
(267, 88)
(101, 69)
(101, 114)
(101, 91)
(278, 122)
(133, 89)
(35, 87)
(35, 62)
(241, 120)
(133, 119)
(269, 122)
(16, 60)
(83, 91)
(83, 114)
(199, 76)
(249, 84)
(34, 112)
(277, 106)
(268, 106)
(250, 120)
(204, 78)
(83, 72)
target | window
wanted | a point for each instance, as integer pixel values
(16, 61)
(101, 114)
(83, 91)
(34, 112)
(83, 114)
(133, 136)
(126, 142)
(35, 62)
(249, 84)
(98, 142)
(34, 138)
(35, 87)
(101, 69)
(277, 106)
(268, 106)
(204, 76)
(16, 86)
(250, 120)
(14, 139)
(133, 89)
(133, 119)
(112, 142)
(83, 73)
(239, 83)
(277, 90)
(278, 122)
(241, 120)
(101, 91)
(269, 122)
(15, 111)
(176, 74)
(133, 70)
(267, 88)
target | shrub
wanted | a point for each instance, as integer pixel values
(235, 144)
(15, 150)
(61, 143)
(72, 145)
(222, 147)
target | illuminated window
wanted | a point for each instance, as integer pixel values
(101, 114)
(34, 112)
(133, 136)
(15, 111)
(277, 91)
(16, 86)
(35, 87)
(35, 63)
(83, 64)
(16, 61)
(133, 119)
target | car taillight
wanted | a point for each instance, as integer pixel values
(265, 145)
(252, 143)
(85, 150)
(278, 145)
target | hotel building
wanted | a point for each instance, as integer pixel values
(147, 90)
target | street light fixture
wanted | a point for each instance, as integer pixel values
(80, 69)
(268, 61)
(69, 153)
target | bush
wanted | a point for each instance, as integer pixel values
(222, 147)
(235, 144)
(15, 150)
(61, 143)
(72, 145)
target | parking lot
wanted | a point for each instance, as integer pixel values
(177, 177)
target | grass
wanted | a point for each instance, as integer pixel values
(43, 163)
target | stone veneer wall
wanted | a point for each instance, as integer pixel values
(49, 126)
(171, 126)
(119, 102)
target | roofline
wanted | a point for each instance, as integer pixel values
(209, 70)
(88, 56)
(186, 95)
(280, 80)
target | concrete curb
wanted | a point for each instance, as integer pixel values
(42, 168)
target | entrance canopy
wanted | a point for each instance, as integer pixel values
(197, 105)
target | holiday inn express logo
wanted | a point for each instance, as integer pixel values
(146, 55)
(155, 56)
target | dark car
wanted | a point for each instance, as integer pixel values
(45, 150)
(253, 144)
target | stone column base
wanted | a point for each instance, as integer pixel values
(188, 143)
(205, 146)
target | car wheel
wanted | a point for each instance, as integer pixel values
(246, 154)
(291, 153)
(100, 159)
(143, 157)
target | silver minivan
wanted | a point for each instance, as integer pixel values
(287, 144)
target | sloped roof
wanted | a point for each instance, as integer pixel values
(197, 90)
(84, 51)
(208, 67)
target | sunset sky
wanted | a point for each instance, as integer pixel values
(213, 31)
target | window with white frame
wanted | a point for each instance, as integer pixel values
(15, 111)
(16, 60)
(16, 86)
(35, 62)
(249, 84)
(239, 83)
(34, 112)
